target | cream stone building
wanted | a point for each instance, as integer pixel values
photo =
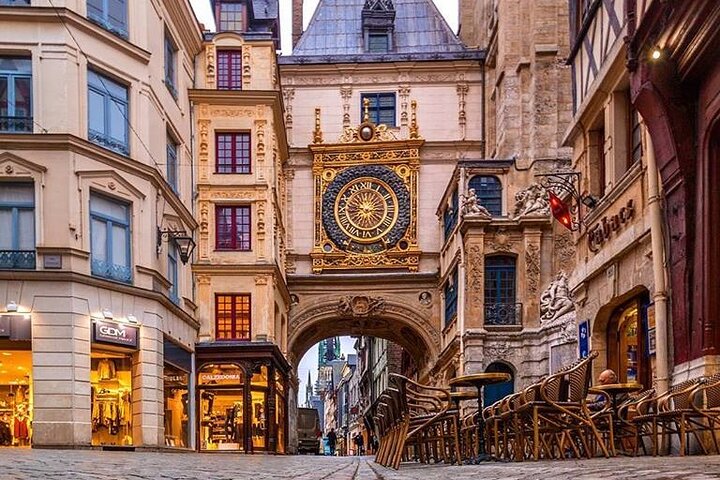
(379, 99)
(96, 217)
(242, 201)
(614, 279)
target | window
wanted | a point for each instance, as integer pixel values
(233, 228)
(450, 215)
(232, 17)
(173, 272)
(107, 113)
(229, 70)
(14, 3)
(233, 152)
(110, 238)
(17, 226)
(172, 165)
(381, 108)
(15, 95)
(109, 14)
(170, 58)
(378, 42)
(500, 306)
(450, 290)
(489, 193)
(232, 317)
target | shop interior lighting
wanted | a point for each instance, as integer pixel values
(106, 313)
(656, 53)
(12, 306)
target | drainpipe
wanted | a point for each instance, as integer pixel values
(659, 269)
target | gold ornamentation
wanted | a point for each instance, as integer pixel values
(380, 134)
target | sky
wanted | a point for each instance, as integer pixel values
(449, 9)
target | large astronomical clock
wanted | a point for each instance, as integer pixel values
(366, 201)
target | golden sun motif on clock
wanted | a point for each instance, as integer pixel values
(366, 209)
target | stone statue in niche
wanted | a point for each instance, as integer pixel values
(556, 301)
(533, 201)
(471, 207)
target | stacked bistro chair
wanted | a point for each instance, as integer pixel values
(551, 418)
(416, 422)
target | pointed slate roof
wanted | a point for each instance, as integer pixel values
(335, 34)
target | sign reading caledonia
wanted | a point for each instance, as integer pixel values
(604, 229)
(112, 333)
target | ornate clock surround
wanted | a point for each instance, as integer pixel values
(365, 192)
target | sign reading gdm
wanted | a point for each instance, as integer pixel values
(112, 333)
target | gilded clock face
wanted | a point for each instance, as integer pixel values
(366, 209)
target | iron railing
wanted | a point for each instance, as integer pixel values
(16, 124)
(17, 259)
(120, 273)
(503, 314)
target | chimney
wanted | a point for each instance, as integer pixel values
(297, 21)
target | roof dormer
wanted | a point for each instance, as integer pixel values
(378, 23)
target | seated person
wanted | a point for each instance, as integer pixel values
(606, 377)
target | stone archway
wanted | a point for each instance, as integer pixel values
(386, 317)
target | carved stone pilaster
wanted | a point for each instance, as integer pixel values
(462, 90)
(288, 96)
(210, 66)
(246, 64)
(204, 129)
(346, 95)
(260, 147)
(532, 268)
(404, 92)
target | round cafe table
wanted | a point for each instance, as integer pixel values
(479, 380)
(616, 389)
(458, 397)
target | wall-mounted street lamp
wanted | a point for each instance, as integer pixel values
(565, 199)
(184, 243)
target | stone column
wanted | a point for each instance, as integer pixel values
(147, 378)
(61, 371)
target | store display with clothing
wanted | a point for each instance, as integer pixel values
(15, 415)
(222, 420)
(111, 399)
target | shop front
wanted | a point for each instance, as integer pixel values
(112, 355)
(241, 397)
(176, 391)
(16, 382)
(629, 342)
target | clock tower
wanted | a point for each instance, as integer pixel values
(366, 198)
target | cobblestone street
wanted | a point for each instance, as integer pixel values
(81, 465)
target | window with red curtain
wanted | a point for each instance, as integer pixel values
(233, 227)
(229, 70)
(232, 317)
(232, 153)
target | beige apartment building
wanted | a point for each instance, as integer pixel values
(239, 270)
(96, 218)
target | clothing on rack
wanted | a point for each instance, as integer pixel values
(21, 430)
(106, 369)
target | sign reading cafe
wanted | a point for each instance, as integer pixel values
(118, 334)
(605, 228)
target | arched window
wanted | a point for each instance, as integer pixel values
(497, 391)
(489, 193)
(500, 306)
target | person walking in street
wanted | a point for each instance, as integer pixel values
(332, 441)
(359, 444)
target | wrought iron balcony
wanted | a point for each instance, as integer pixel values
(108, 142)
(17, 259)
(120, 273)
(503, 314)
(16, 124)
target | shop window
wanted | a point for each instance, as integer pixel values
(499, 291)
(16, 412)
(488, 190)
(221, 415)
(450, 215)
(232, 16)
(15, 95)
(451, 292)
(233, 228)
(170, 65)
(627, 339)
(110, 238)
(109, 14)
(17, 226)
(232, 152)
(176, 407)
(111, 398)
(381, 108)
(107, 113)
(172, 163)
(259, 396)
(229, 76)
(232, 317)
(280, 411)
